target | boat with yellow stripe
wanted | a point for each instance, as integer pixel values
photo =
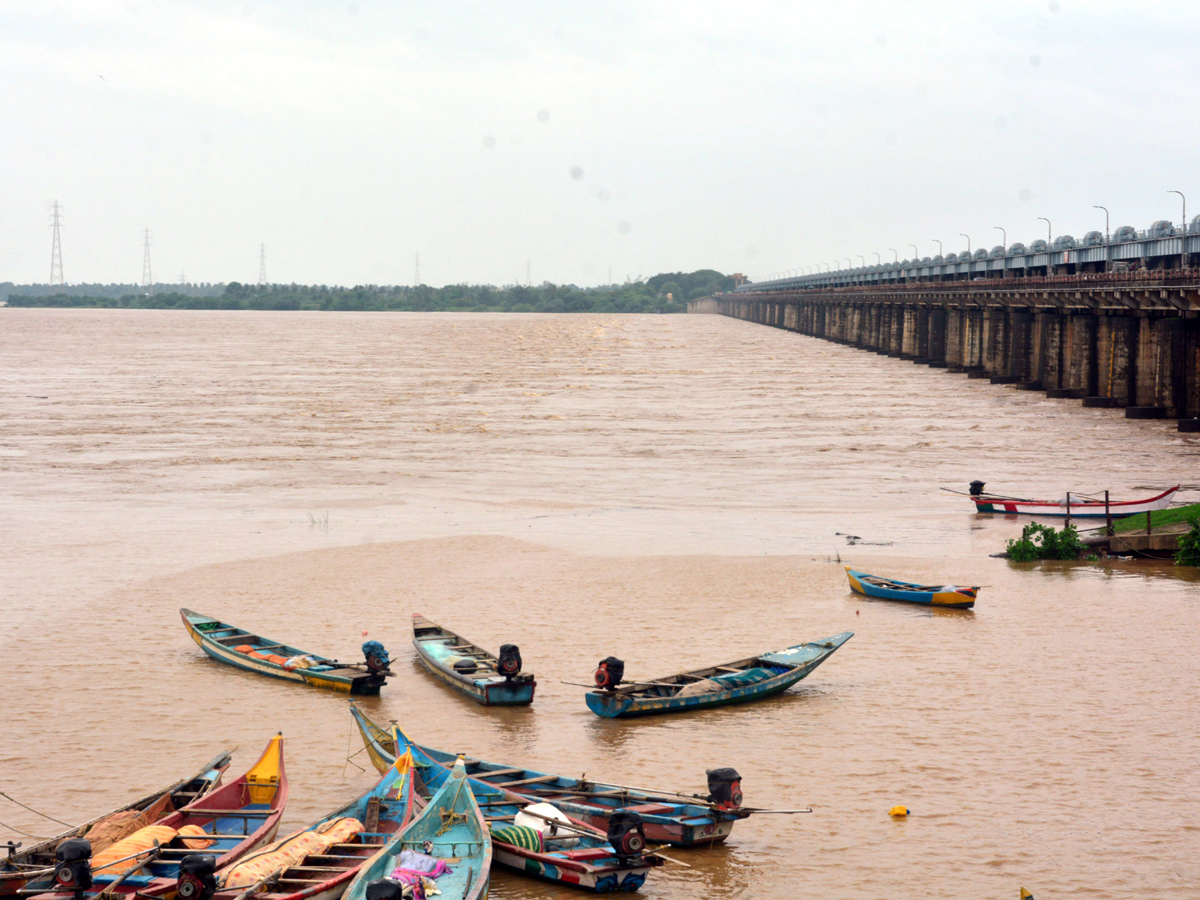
(254, 653)
(947, 596)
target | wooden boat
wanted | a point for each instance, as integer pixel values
(320, 861)
(740, 681)
(452, 829)
(563, 850)
(216, 829)
(17, 870)
(668, 817)
(1082, 507)
(493, 681)
(947, 596)
(240, 648)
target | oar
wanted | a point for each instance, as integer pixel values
(629, 685)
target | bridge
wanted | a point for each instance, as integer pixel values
(1045, 320)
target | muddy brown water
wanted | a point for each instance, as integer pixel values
(670, 490)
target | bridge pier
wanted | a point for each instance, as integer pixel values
(1114, 342)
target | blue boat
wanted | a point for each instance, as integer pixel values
(946, 596)
(450, 830)
(466, 667)
(668, 817)
(741, 681)
(539, 840)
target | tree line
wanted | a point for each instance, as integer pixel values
(664, 293)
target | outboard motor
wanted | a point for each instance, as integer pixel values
(377, 657)
(627, 834)
(976, 488)
(509, 662)
(610, 673)
(73, 871)
(724, 788)
(196, 878)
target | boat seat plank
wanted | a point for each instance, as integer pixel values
(232, 637)
(230, 813)
(485, 774)
(727, 669)
(538, 780)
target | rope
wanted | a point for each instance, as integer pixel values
(22, 833)
(32, 810)
(350, 756)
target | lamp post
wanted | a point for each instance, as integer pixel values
(1107, 239)
(1182, 240)
(863, 258)
(878, 258)
(1049, 238)
(1004, 259)
(897, 259)
(939, 243)
(968, 237)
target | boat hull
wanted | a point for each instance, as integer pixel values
(435, 648)
(619, 705)
(1088, 509)
(962, 598)
(666, 818)
(367, 685)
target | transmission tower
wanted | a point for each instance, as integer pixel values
(417, 272)
(262, 263)
(147, 278)
(56, 269)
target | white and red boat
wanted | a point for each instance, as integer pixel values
(1086, 506)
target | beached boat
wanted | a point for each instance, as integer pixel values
(448, 842)
(740, 681)
(241, 648)
(947, 595)
(466, 667)
(668, 817)
(180, 851)
(320, 861)
(536, 839)
(21, 865)
(1084, 506)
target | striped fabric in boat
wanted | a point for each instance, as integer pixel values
(519, 836)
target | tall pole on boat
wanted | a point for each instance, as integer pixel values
(1068, 522)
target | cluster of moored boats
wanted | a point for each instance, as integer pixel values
(435, 822)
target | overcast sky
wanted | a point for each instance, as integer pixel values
(627, 136)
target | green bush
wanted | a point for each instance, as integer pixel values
(1038, 541)
(1189, 544)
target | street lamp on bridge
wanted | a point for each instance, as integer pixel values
(1107, 240)
(1049, 238)
(916, 252)
(1004, 259)
(863, 258)
(893, 249)
(968, 237)
(1180, 193)
(941, 252)
(878, 258)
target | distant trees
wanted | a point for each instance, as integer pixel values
(649, 296)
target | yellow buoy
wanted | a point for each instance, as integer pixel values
(898, 812)
(1025, 895)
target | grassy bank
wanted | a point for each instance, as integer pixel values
(1160, 517)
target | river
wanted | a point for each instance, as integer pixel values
(673, 490)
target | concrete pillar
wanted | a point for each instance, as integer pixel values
(1019, 347)
(995, 342)
(936, 348)
(908, 338)
(1160, 380)
(896, 336)
(955, 343)
(1190, 361)
(1115, 353)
